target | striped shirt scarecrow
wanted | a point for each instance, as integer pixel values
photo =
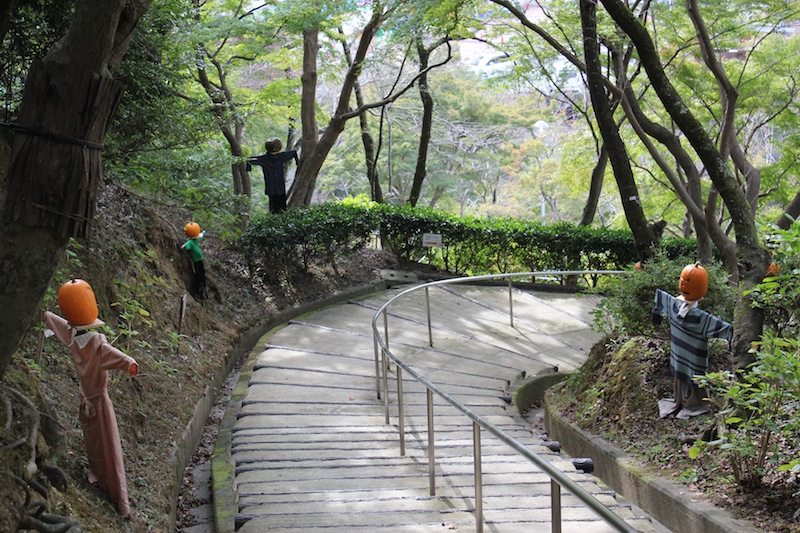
(690, 329)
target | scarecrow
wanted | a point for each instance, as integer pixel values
(93, 356)
(273, 163)
(690, 329)
(192, 231)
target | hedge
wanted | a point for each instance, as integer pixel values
(276, 246)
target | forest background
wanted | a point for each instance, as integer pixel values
(690, 107)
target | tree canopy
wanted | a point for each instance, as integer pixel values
(690, 107)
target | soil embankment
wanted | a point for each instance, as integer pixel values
(140, 275)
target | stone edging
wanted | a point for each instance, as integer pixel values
(193, 431)
(222, 469)
(668, 502)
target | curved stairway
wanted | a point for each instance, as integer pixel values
(312, 450)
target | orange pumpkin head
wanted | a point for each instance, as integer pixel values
(77, 302)
(192, 230)
(773, 270)
(694, 282)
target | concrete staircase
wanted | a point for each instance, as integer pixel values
(313, 452)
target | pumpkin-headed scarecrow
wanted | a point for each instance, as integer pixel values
(93, 357)
(193, 232)
(690, 329)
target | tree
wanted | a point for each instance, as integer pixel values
(317, 147)
(367, 140)
(537, 57)
(721, 107)
(604, 97)
(228, 40)
(55, 164)
(445, 23)
(420, 172)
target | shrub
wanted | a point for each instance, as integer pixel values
(298, 238)
(630, 298)
(402, 228)
(758, 417)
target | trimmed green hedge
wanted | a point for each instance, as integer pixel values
(277, 245)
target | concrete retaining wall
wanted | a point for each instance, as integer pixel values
(672, 504)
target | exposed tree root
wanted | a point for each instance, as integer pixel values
(32, 513)
(50, 523)
(33, 434)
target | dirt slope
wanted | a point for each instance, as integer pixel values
(139, 274)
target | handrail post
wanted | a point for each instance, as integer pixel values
(510, 302)
(428, 305)
(431, 450)
(377, 365)
(555, 505)
(401, 411)
(385, 385)
(386, 327)
(476, 451)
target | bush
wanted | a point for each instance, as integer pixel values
(402, 228)
(627, 308)
(298, 238)
(758, 417)
(276, 245)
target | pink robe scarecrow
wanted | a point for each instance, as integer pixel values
(93, 356)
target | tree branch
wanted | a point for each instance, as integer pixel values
(391, 98)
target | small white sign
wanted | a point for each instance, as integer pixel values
(432, 239)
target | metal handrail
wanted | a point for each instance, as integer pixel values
(557, 478)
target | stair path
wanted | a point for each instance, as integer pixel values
(312, 450)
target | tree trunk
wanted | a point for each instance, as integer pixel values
(690, 193)
(308, 102)
(56, 166)
(370, 156)
(791, 213)
(6, 15)
(371, 159)
(64, 114)
(231, 124)
(595, 188)
(420, 172)
(28, 259)
(643, 236)
(438, 192)
(305, 176)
